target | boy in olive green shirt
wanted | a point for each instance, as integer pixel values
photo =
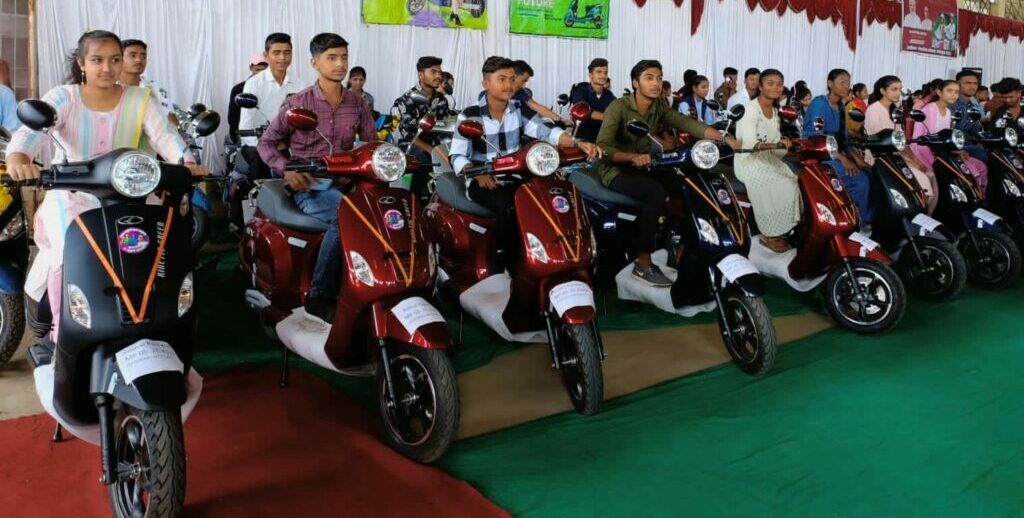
(625, 169)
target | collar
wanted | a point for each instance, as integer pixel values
(318, 92)
(419, 88)
(269, 77)
(485, 110)
(653, 110)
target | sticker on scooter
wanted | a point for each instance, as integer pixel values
(866, 243)
(985, 216)
(907, 173)
(837, 185)
(735, 266)
(723, 196)
(1011, 187)
(927, 223)
(572, 294)
(414, 313)
(560, 204)
(386, 200)
(133, 240)
(1018, 164)
(146, 357)
(394, 220)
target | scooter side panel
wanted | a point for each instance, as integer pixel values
(552, 210)
(820, 185)
(462, 240)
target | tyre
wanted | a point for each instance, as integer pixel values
(940, 275)
(751, 338)
(423, 421)
(152, 445)
(199, 227)
(581, 366)
(478, 11)
(415, 6)
(995, 263)
(876, 307)
(12, 324)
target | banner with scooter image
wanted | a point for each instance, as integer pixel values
(451, 14)
(568, 18)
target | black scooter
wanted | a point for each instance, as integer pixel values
(120, 374)
(1005, 193)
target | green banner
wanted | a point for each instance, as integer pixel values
(570, 18)
(470, 14)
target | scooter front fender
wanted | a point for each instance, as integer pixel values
(393, 317)
(924, 225)
(155, 391)
(200, 200)
(570, 296)
(847, 246)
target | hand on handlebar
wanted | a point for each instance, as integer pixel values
(20, 172)
(732, 142)
(641, 161)
(592, 150)
(785, 143)
(298, 182)
(486, 181)
(197, 169)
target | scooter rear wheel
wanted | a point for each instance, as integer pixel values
(752, 344)
(425, 416)
(942, 276)
(581, 366)
(12, 324)
(199, 224)
(152, 445)
(998, 262)
(885, 302)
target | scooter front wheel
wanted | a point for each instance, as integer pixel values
(12, 324)
(995, 263)
(422, 421)
(150, 451)
(750, 339)
(941, 273)
(581, 366)
(870, 301)
(199, 224)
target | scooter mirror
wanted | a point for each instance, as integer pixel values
(302, 119)
(626, 92)
(36, 114)
(196, 109)
(974, 114)
(857, 115)
(563, 99)
(427, 123)
(247, 101)
(205, 123)
(1020, 123)
(580, 111)
(819, 124)
(471, 130)
(918, 116)
(736, 113)
(419, 98)
(789, 113)
(638, 128)
(4, 134)
(712, 105)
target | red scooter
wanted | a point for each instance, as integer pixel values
(550, 291)
(382, 316)
(861, 290)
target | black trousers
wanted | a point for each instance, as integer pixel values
(501, 201)
(650, 188)
(421, 176)
(258, 169)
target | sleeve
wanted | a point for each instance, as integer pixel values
(535, 127)
(162, 136)
(367, 125)
(576, 95)
(25, 140)
(460, 149)
(746, 130)
(687, 125)
(274, 135)
(876, 120)
(406, 124)
(814, 111)
(609, 128)
(8, 108)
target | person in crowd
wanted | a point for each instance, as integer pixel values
(271, 86)
(448, 86)
(626, 169)
(505, 125)
(695, 105)
(886, 97)
(688, 76)
(939, 116)
(749, 92)
(257, 64)
(858, 101)
(929, 92)
(1009, 95)
(342, 113)
(356, 82)
(771, 184)
(95, 115)
(851, 167)
(409, 112)
(968, 81)
(8, 109)
(728, 86)
(982, 96)
(666, 93)
(801, 99)
(136, 59)
(596, 94)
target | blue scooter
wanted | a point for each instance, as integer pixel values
(13, 263)
(592, 14)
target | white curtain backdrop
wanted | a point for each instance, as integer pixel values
(198, 49)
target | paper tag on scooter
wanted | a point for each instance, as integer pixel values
(414, 313)
(570, 295)
(985, 216)
(146, 357)
(866, 243)
(926, 222)
(735, 266)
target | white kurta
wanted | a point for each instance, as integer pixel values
(771, 184)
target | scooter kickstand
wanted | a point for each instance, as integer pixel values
(284, 369)
(58, 434)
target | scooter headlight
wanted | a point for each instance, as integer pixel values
(898, 198)
(832, 147)
(1011, 137)
(78, 307)
(135, 174)
(704, 154)
(542, 159)
(957, 194)
(957, 138)
(899, 140)
(361, 269)
(14, 228)
(825, 215)
(388, 162)
(1010, 188)
(185, 295)
(708, 232)
(535, 248)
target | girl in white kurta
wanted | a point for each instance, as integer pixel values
(771, 184)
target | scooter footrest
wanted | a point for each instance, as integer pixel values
(41, 354)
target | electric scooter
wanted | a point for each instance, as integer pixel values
(1005, 193)
(591, 14)
(14, 254)
(382, 323)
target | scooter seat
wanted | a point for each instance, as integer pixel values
(278, 206)
(452, 190)
(589, 183)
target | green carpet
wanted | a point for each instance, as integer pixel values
(923, 421)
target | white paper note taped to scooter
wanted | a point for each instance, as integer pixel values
(414, 313)
(866, 243)
(926, 222)
(146, 357)
(569, 295)
(735, 266)
(986, 216)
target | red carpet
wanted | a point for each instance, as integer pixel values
(254, 450)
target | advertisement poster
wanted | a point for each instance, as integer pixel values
(930, 27)
(568, 18)
(452, 14)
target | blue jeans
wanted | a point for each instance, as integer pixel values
(323, 205)
(859, 187)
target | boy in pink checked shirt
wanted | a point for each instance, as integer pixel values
(341, 113)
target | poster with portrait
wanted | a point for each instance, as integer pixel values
(930, 27)
(451, 14)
